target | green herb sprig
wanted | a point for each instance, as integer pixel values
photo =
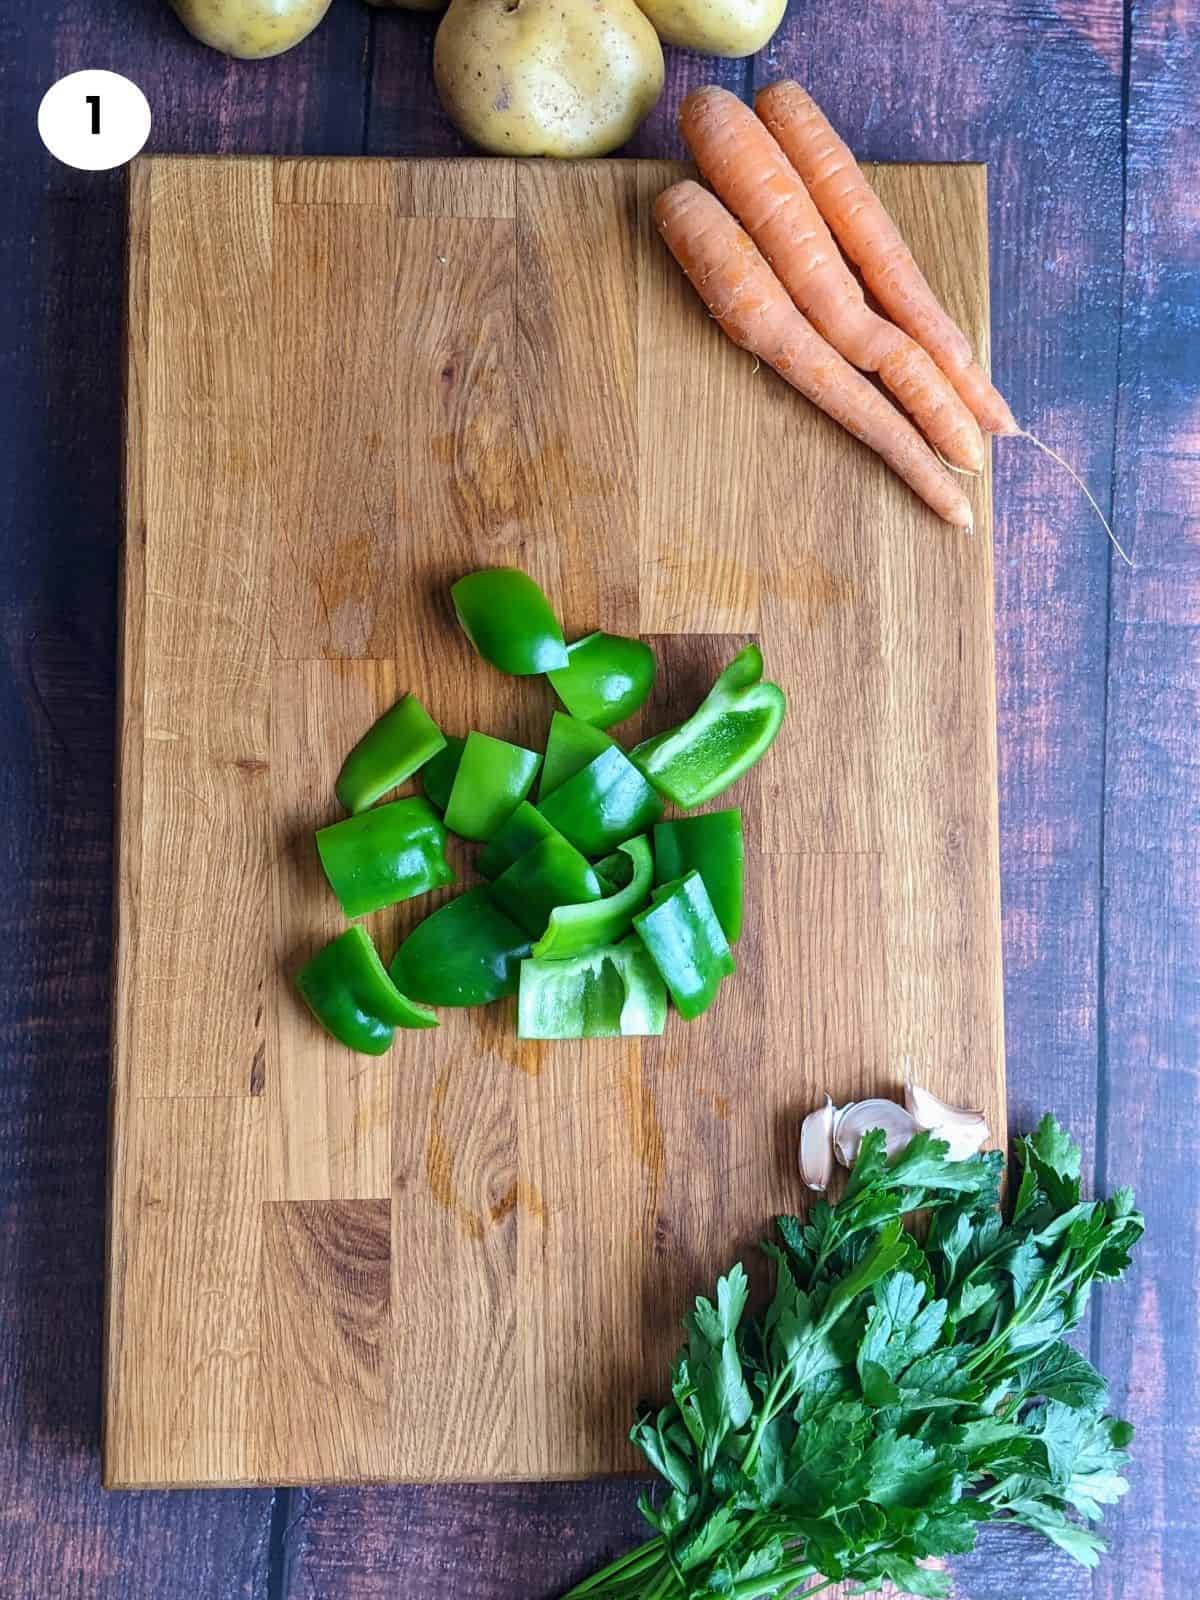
(896, 1393)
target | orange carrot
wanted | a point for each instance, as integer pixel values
(758, 183)
(753, 309)
(870, 238)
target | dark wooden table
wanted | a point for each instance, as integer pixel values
(1085, 112)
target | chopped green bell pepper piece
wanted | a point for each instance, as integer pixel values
(552, 874)
(390, 751)
(466, 953)
(347, 989)
(493, 778)
(684, 938)
(613, 992)
(576, 929)
(736, 722)
(712, 844)
(603, 804)
(509, 621)
(607, 677)
(438, 774)
(389, 853)
(570, 746)
(525, 828)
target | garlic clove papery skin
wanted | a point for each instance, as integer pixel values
(854, 1120)
(816, 1147)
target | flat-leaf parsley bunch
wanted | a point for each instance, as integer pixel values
(896, 1393)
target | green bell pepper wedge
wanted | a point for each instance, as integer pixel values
(684, 938)
(571, 744)
(347, 989)
(389, 853)
(574, 930)
(733, 726)
(466, 953)
(439, 773)
(509, 621)
(525, 828)
(552, 874)
(607, 677)
(603, 804)
(712, 844)
(493, 778)
(391, 750)
(611, 993)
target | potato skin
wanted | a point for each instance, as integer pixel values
(250, 29)
(716, 27)
(547, 77)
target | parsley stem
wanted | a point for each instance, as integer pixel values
(632, 1564)
(776, 1582)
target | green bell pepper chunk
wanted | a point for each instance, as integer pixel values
(493, 778)
(733, 726)
(347, 989)
(509, 621)
(712, 844)
(390, 751)
(552, 874)
(525, 828)
(438, 774)
(603, 804)
(466, 953)
(389, 853)
(570, 746)
(607, 677)
(613, 992)
(681, 932)
(575, 930)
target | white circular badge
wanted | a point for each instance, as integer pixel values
(94, 120)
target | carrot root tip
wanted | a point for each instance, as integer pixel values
(1024, 433)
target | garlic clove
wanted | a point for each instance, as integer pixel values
(816, 1147)
(854, 1120)
(964, 1130)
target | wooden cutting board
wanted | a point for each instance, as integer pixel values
(349, 382)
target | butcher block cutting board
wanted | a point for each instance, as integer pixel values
(349, 382)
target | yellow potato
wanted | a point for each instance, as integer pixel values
(547, 77)
(250, 29)
(716, 27)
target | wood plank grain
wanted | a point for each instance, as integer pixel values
(326, 1342)
(328, 1118)
(504, 417)
(184, 1372)
(459, 1199)
(198, 598)
(705, 485)
(576, 418)
(331, 436)
(1144, 1332)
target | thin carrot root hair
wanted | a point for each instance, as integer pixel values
(1024, 433)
